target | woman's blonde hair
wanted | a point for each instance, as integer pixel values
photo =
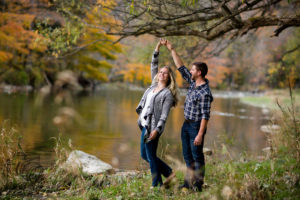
(171, 83)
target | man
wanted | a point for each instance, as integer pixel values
(196, 113)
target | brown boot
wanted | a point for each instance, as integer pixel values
(168, 180)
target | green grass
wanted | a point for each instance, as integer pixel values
(276, 177)
(260, 101)
(270, 98)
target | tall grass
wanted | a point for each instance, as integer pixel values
(11, 153)
(289, 139)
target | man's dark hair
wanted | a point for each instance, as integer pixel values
(201, 66)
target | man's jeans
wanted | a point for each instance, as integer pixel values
(157, 166)
(193, 155)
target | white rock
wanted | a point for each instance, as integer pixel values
(265, 111)
(270, 128)
(207, 151)
(90, 164)
(266, 150)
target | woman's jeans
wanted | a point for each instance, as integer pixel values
(193, 155)
(157, 166)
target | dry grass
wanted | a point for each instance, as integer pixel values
(11, 154)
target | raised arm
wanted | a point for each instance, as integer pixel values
(154, 62)
(179, 64)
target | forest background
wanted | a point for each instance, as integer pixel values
(39, 39)
(53, 45)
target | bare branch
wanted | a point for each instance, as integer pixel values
(208, 19)
(291, 50)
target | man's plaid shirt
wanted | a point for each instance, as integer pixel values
(198, 99)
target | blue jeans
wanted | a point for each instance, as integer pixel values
(193, 155)
(157, 166)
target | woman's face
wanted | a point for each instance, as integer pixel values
(163, 75)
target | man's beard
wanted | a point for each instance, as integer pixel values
(193, 78)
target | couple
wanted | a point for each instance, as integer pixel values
(153, 111)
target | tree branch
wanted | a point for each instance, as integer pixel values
(205, 20)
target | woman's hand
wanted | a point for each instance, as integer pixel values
(153, 135)
(158, 46)
(163, 41)
(160, 43)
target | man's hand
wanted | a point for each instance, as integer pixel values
(153, 135)
(198, 140)
(178, 62)
(169, 45)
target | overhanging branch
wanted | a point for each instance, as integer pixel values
(204, 19)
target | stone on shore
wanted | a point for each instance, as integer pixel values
(267, 149)
(273, 129)
(90, 164)
(207, 151)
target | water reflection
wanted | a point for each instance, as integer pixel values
(107, 127)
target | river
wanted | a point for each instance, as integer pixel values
(104, 124)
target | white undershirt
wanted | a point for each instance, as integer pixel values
(147, 104)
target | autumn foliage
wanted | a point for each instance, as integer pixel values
(41, 38)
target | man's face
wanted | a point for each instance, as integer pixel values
(195, 73)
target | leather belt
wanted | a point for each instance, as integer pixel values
(190, 121)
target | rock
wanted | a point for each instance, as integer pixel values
(270, 128)
(90, 164)
(265, 111)
(267, 149)
(207, 151)
(66, 80)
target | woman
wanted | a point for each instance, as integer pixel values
(153, 111)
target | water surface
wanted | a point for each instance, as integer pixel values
(104, 124)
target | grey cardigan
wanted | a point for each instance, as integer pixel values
(160, 103)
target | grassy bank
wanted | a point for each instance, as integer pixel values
(269, 99)
(274, 175)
